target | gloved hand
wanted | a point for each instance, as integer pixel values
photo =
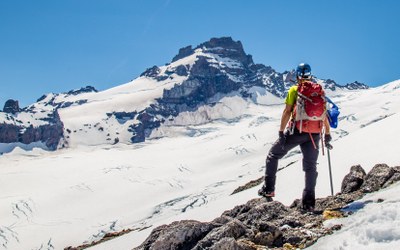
(328, 139)
(282, 139)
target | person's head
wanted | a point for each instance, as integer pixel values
(303, 71)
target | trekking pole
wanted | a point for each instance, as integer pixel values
(330, 169)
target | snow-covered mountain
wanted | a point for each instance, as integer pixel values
(191, 90)
(202, 142)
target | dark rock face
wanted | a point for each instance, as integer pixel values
(181, 70)
(147, 122)
(356, 85)
(151, 72)
(122, 117)
(353, 180)
(50, 133)
(86, 89)
(226, 47)
(330, 84)
(183, 52)
(9, 133)
(11, 107)
(259, 224)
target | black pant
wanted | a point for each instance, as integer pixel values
(310, 157)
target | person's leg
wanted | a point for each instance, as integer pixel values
(276, 153)
(310, 157)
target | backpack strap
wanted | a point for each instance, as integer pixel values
(312, 139)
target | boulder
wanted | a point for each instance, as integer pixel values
(377, 177)
(395, 177)
(353, 180)
(182, 235)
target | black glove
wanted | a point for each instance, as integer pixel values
(328, 139)
(282, 139)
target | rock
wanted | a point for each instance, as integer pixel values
(147, 122)
(11, 107)
(181, 70)
(9, 133)
(248, 245)
(233, 229)
(353, 180)
(330, 84)
(178, 235)
(151, 72)
(50, 134)
(227, 47)
(82, 90)
(225, 244)
(377, 177)
(356, 85)
(183, 52)
(395, 177)
(329, 214)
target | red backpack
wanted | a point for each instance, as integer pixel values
(310, 108)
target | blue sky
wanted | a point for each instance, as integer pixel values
(55, 46)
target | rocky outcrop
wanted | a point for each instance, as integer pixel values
(151, 72)
(11, 107)
(356, 85)
(183, 52)
(147, 122)
(259, 224)
(87, 89)
(9, 133)
(50, 134)
(227, 47)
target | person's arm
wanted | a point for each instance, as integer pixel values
(287, 112)
(327, 126)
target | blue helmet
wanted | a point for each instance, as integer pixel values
(303, 70)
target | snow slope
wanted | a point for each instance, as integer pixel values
(51, 200)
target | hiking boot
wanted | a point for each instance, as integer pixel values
(308, 201)
(267, 194)
(307, 208)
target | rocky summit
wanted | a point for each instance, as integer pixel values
(259, 224)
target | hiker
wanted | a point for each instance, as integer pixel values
(300, 128)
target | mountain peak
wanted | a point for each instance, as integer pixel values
(222, 46)
(223, 42)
